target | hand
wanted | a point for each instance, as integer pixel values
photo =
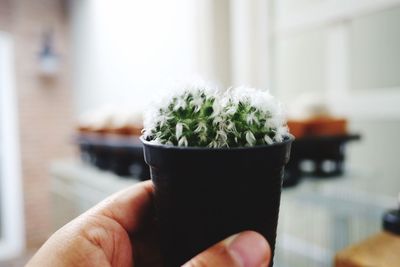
(120, 232)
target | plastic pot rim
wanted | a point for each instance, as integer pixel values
(288, 139)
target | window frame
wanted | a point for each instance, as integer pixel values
(335, 17)
(12, 241)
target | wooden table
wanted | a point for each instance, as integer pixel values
(380, 250)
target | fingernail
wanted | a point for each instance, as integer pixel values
(250, 249)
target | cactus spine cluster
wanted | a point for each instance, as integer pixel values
(197, 116)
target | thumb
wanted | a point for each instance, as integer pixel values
(246, 249)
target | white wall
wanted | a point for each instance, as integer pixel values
(124, 51)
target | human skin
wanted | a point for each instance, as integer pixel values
(120, 232)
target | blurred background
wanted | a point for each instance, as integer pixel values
(69, 67)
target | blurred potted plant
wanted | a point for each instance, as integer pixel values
(216, 160)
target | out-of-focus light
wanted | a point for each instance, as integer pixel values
(48, 59)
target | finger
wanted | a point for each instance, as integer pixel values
(247, 249)
(129, 207)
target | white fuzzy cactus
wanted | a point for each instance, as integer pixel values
(198, 116)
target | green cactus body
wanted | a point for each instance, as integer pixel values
(201, 117)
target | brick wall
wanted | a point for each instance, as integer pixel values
(44, 105)
(5, 15)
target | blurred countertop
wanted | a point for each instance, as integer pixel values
(75, 171)
(76, 187)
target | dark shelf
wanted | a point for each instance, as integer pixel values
(118, 154)
(325, 154)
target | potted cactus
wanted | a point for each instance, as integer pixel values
(216, 160)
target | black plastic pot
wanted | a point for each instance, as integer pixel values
(203, 195)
